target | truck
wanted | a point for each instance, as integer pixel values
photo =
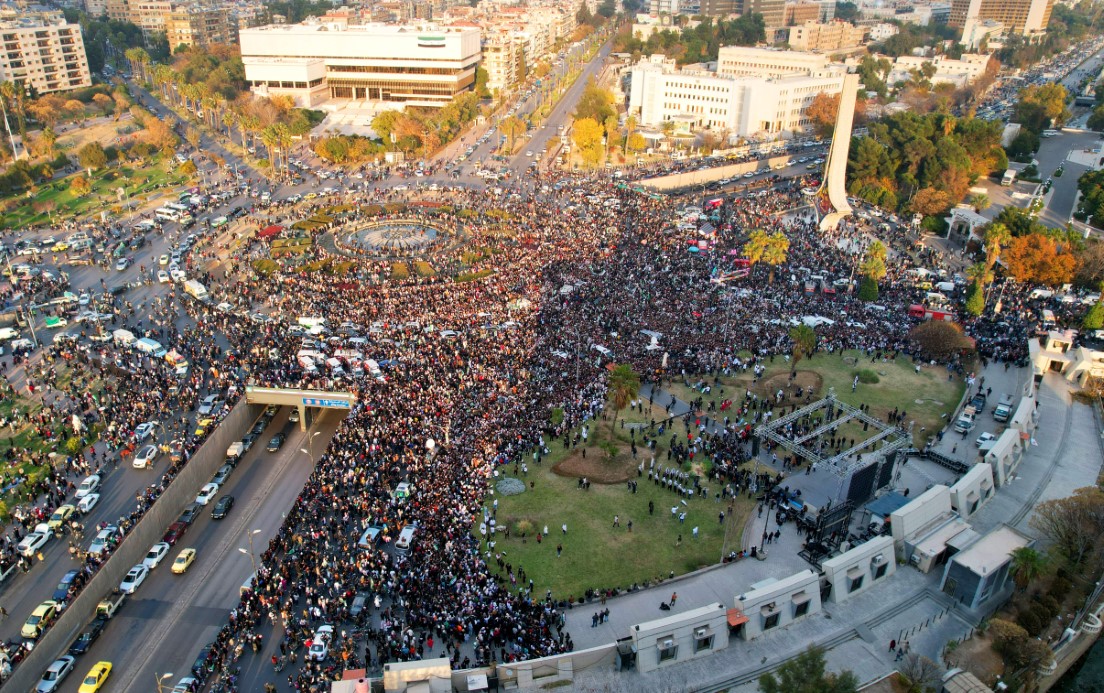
(978, 402)
(1009, 177)
(1003, 411)
(234, 452)
(196, 290)
(110, 604)
(965, 421)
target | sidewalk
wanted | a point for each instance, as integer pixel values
(855, 633)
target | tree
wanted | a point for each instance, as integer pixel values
(595, 103)
(610, 126)
(1073, 524)
(874, 262)
(996, 238)
(930, 201)
(624, 385)
(636, 142)
(1038, 259)
(630, 130)
(975, 300)
(1042, 105)
(587, 136)
(104, 102)
(384, 125)
(1018, 649)
(919, 674)
(868, 289)
(188, 168)
(1024, 144)
(980, 274)
(767, 248)
(804, 343)
(1094, 318)
(49, 141)
(92, 155)
(80, 186)
(807, 673)
(1027, 566)
(980, 201)
(512, 127)
(938, 340)
(1096, 120)
(822, 110)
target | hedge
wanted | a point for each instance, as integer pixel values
(399, 270)
(473, 276)
(265, 268)
(424, 269)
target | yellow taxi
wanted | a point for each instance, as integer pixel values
(202, 425)
(96, 677)
(38, 620)
(61, 516)
(183, 560)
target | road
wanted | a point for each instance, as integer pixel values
(162, 627)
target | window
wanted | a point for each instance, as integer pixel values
(880, 571)
(801, 609)
(771, 620)
(668, 650)
(856, 584)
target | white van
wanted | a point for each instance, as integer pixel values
(406, 537)
(124, 337)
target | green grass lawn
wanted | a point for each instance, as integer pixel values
(596, 554)
(140, 182)
(926, 396)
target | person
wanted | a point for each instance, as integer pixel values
(674, 598)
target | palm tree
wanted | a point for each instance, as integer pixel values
(624, 385)
(229, 119)
(630, 128)
(138, 58)
(1027, 565)
(271, 142)
(512, 127)
(979, 202)
(979, 273)
(768, 248)
(997, 236)
(873, 264)
(804, 342)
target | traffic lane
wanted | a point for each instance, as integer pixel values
(173, 616)
(1053, 153)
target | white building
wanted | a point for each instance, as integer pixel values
(957, 72)
(883, 30)
(745, 106)
(658, 7)
(43, 53)
(976, 31)
(740, 61)
(416, 65)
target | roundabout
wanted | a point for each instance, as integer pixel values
(399, 237)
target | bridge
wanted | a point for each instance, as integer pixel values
(304, 400)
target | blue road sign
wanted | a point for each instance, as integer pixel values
(318, 402)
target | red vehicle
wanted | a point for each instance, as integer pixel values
(175, 531)
(918, 311)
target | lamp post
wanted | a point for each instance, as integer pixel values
(310, 444)
(252, 557)
(160, 679)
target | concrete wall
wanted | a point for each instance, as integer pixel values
(926, 507)
(1025, 417)
(1006, 455)
(397, 676)
(781, 597)
(972, 491)
(861, 563)
(547, 670)
(147, 532)
(689, 635)
(691, 179)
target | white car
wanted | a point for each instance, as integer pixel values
(163, 260)
(178, 275)
(163, 277)
(186, 685)
(99, 544)
(32, 543)
(144, 430)
(91, 484)
(145, 457)
(156, 554)
(207, 493)
(320, 644)
(134, 579)
(88, 502)
(55, 674)
(985, 438)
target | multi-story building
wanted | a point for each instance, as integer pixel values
(47, 55)
(149, 15)
(312, 62)
(200, 26)
(770, 105)
(658, 7)
(833, 36)
(741, 61)
(504, 61)
(797, 13)
(247, 16)
(95, 8)
(882, 30)
(976, 32)
(773, 11)
(1027, 17)
(957, 72)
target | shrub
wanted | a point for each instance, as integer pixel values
(1029, 621)
(935, 225)
(866, 376)
(868, 289)
(473, 276)
(1059, 588)
(1050, 604)
(265, 268)
(424, 269)
(525, 527)
(557, 416)
(399, 270)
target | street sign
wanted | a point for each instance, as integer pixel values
(318, 402)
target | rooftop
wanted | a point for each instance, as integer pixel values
(992, 551)
(367, 29)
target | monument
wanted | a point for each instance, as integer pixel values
(835, 171)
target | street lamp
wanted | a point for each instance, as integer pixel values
(161, 688)
(310, 444)
(252, 557)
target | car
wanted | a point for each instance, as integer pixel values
(222, 474)
(209, 404)
(122, 264)
(186, 685)
(222, 507)
(247, 441)
(183, 560)
(276, 442)
(90, 484)
(155, 555)
(144, 458)
(360, 603)
(85, 639)
(144, 430)
(31, 543)
(38, 620)
(95, 678)
(60, 517)
(320, 644)
(88, 502)
(134, 579)
(985, 438)
(55, 674)
(202, 425)
(61, 592)
(200, 666)
(177, 275)
(293, 417)
(163, 277)
(105, 538)
(190, 513)
(206, 493)
(174, 532)
(163, 260)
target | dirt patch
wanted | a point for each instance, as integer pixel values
(595, 467)
(976, 656)
(803, 380)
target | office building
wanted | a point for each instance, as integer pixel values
(833, 36)
(773, 11)
(658, 7)
(1027, 17)
(960, 72)
(312, 62)
(46, 55)
(768, 105)
(149, 15)
(768, 63)
(200, 26)
(797, 13)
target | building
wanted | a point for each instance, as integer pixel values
(883, 30)
(833, 36)
(149, 15)
(416, 65)
(658, 7)
(1079, 364)
(979, 31)
(1027, 17)
(766, 106)
(504, 61)
(741, 61)
(978, 576)
(44, 54)
(960, 72)
(200, 26)
(796, 13)
(773, 11)
(95, 8)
